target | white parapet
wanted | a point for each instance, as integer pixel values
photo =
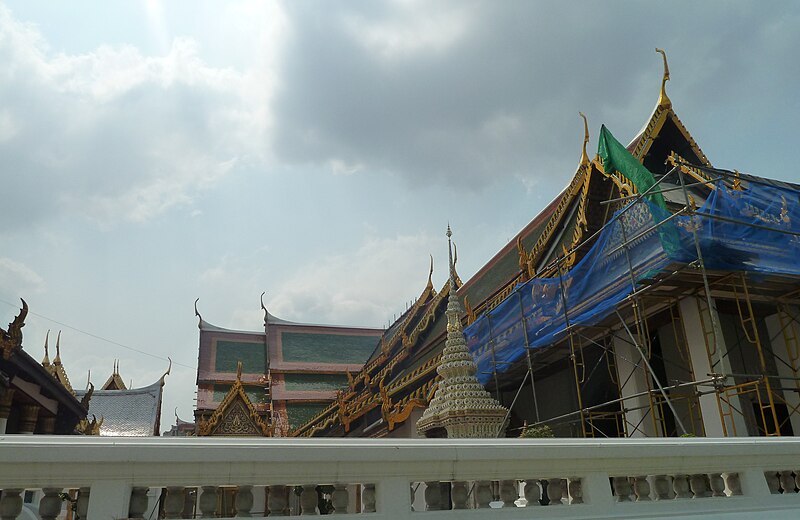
(562, 478)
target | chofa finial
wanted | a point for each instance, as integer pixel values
(430, 273)
(46, 360)
(663, 99)
(584, 155)
(197, 313)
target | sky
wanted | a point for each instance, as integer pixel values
(152, 153)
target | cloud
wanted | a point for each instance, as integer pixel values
(113, 134)
(363, 287)
(467, 94)
(18, 279)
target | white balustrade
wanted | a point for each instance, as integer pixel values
(371, 478)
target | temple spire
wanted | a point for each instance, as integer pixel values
(663, 99)
(460, 406)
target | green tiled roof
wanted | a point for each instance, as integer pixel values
(301, 413)
(296, 382)
(251, 355)
(256, 394)
(326, 348)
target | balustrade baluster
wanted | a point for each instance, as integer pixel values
(555, 491)
(208, 502)
(459, 494)
(82, 503)
(661, 487)
(680, 483)
(340, 499)
(433, 496)
(50, 504)
(509, 492)
(483, 493)
(174, 501)
(787, 481)
(622, 489)
(575, 488)
(699, 486)
(533, 493)
(773, 483)
(10, 504)
(642, 488)
(734, 483)
(244, 501)
(308, 500)
(368, 498)
(138, 505)
(717, 484)
(277, 501)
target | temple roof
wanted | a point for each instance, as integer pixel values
(127, 412)
(562, 229)
(114, 381)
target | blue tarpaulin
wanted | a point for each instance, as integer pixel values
(745, 234)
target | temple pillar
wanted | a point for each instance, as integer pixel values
(695, 325)
(29, 416)
(784, 336)
(47, 424)
(5, 407)
(632, 374)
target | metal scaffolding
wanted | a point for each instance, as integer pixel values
(754, 398)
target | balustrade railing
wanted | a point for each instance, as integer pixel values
(115, 478)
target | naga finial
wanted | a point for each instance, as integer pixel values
(197, 313)
(663, 99)
(264, 308)
(430, 273)
(46, 360)
(57, 359)
(584, 155)
(238, 370)
(169, 368)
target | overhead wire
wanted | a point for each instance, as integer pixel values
(101, 338)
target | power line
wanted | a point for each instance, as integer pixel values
(101, 338)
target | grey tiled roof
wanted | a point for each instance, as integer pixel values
(126, 413)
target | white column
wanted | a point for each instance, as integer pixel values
(782, 358)
(701, 365)
(631, 371)
(109, 499)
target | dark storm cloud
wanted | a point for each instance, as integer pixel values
(370, 85)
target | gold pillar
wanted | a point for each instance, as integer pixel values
(28, 418)
(47, 424)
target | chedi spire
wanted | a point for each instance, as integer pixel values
(461, 405)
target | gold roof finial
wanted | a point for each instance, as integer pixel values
(238, 370)
(57, 359)
(430, 274)
(584, 155)
(197, 313)
(663, 99)
(46, 360)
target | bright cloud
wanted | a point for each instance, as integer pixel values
(117, 135)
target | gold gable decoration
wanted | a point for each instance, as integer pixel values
(236, 415)
(11, 339)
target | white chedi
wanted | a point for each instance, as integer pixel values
(460, 405)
